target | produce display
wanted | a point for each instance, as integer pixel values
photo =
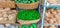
(52, 16)
(52, 26)
(28, 16)
(27, 4)
(7, 15)
(29, 13)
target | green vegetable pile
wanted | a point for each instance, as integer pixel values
(28, 15)
(33, 25)
(30, 26)
(24, 26)
(26, 1)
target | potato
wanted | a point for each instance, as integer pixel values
(7, 9)
(58, 14)
(51, 21)
(54, 13)
(45, 23)
(47, 19)
(4, 12)
(53, 26)
(7, 15)
(1, 15)
(11, 17)
(14, 11)
(52, 16)
(1, 10)
(1, 18)
(47, 14)
(45, 27)
(5, 19)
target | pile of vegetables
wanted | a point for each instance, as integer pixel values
(26, 1)
(30, 26)
(52, 16)
(6, 14)
(28, 15)
(33, 25)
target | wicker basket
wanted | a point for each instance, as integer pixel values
(28, 22)
(28, 6)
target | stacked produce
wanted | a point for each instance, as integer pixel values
(52, 16)
(30, 26)
(7, 16)
(28, 16)
(27, 4)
